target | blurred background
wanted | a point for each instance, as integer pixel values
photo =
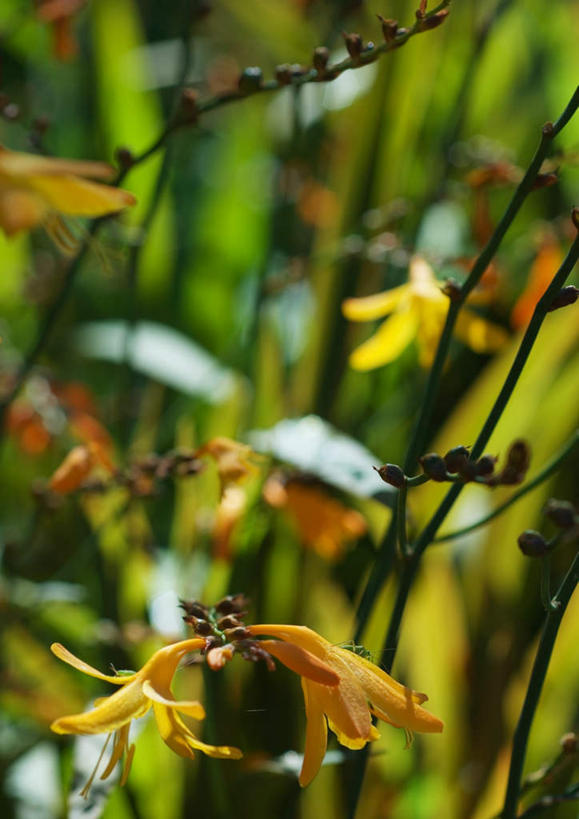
(213, 308)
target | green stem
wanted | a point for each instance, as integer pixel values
(401, 518)
(538, 674)
(541, 476)
(546, 582)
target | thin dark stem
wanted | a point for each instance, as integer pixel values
(538, 674)
(402, 544)
(551, 467)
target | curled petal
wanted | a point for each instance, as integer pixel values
(67, 657)
(316, 734)
(301, 661)
(120, 745)
(301, 636)
(190, 707)
(117, 710)
(346, 707)
(373, 307)
(180, 739)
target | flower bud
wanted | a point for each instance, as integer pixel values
(435, 20)
(229, 621)
(250, 80)
(320, 59)
(518, 460)
(125, 158)
(232, 604)
(238, 633)
(569, 743)
(389, 28)
(565, 296)
(532, 544)
(194, 609)
(283, 74)
(200, 627)
(545, 180)
(354, 44)
(219, 655)
(455, 458)
(452, 289)
(485, 465)
(392, 474)
(433, 466)
(562, 513)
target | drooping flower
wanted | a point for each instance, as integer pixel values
(364, 690)
(38, 190)
(151, 686)
(418, 311)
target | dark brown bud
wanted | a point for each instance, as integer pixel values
(468, 471)
(545, 180)
(250, 80)
(532, 544)
(125, 158)
(194, 609)
(354, 44)
(569, 743)
(392, 474)
(200, 627)
(389, 28)
(518, 460)
(455, 458)
(485, 465)
(189, 110)
(562, 513)
(452, 289)
(435, 20)
(232, 604)
(565, 296)
(239, 633)
(433, 466)
(283, 74)
(548, 129)
(421, 10)
(321, 58)
(229, 621)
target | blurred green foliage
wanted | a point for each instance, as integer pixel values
(213, 309)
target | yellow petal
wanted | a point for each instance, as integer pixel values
(316, 735)
(365, 671)
(79, 197)
(391, 338)
(480, 335)
(301, 636)
(160, 668)
(65, 655)
(180, 739)
(301, 661)
(117, 710)
(373, 307)
(20, 210)
(17, 164)
(120, 745)
(191, 707)
(346, 707)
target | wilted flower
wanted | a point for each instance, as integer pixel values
(363, 690)
(151, 686)
(419, 311)
(38, 190)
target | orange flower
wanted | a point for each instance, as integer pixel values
(37, 190)
(544, 268)
(363, 690)
(78, 465)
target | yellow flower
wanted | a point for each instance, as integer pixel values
(37, 190)
(151, 686)
(363, 690)
(418, 311)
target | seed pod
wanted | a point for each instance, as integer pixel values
(565, 296)
(532, 544)
(392, 474)
(562, 513)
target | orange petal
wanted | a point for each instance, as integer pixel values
(316, 735)
(72, 471)
(301, 661)
(301, 636)
(373, 307)
(67, 657)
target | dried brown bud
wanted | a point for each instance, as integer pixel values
(421, 10)
(433, 466)
(452, 289)
(455, 458)
(468, 471)
(354, 44)
(392, 474)
(518, 460)
(250, 80)
(229, 621)
(562, 513)
(548, 129)
(435, 20)
(125, 158)
(321, 58)
(569, 744)
(232, 604)
(189, 110)
(237, 633)
(389, 28)
(199, 626)
(565, 297)
(194, 608)
(532, 544)
(485, 465)
(545, 180)
(283, 74)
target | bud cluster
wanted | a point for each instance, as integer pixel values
(224, 632)
(458, 465)
(564, 516)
